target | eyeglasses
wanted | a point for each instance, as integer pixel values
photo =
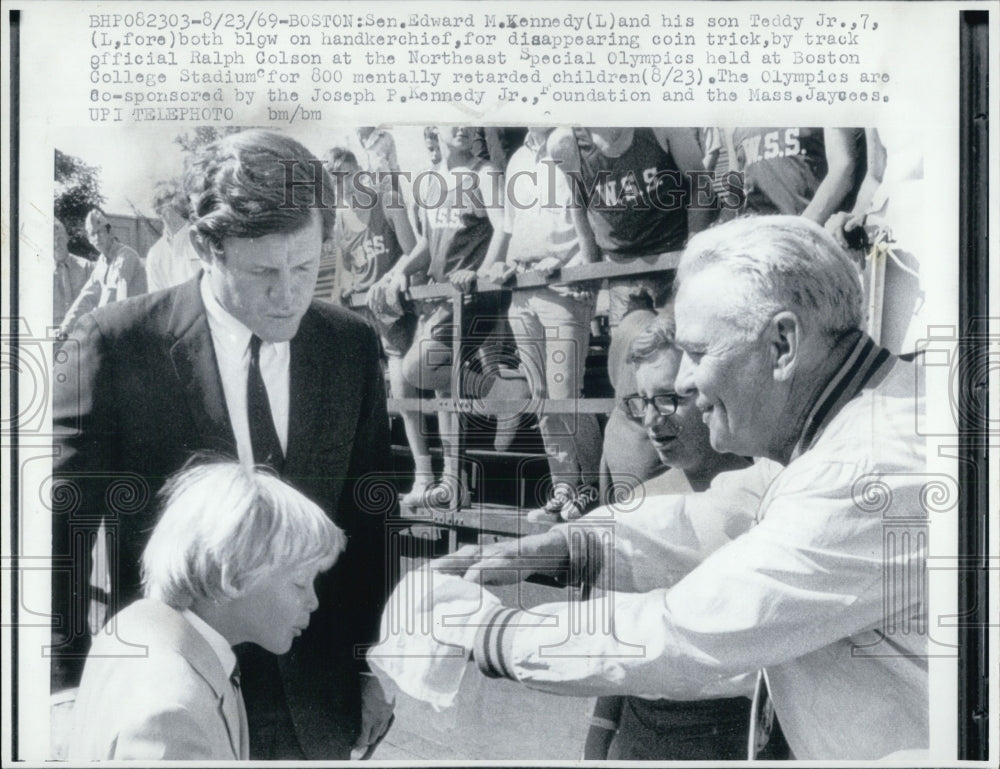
(664, 403)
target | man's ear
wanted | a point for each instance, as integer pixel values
(201, 246)
(784, 339)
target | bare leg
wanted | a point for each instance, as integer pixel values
(423, 475)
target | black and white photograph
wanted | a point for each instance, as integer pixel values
(522, 382)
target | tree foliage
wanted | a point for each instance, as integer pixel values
(77, 190)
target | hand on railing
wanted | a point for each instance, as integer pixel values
(498, 273)
(384, 295)
(463, 280)
(547, 266)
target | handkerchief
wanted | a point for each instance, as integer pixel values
(428, 628)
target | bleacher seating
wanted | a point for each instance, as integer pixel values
(503, 484)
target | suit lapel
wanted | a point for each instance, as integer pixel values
(233, 712)
(197, 370)
(306, 385)
(146, 617)
(244, 726)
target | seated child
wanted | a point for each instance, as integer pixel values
(231, 560)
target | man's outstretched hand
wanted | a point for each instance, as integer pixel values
(504, 563)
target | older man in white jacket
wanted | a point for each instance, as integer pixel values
(809, 566)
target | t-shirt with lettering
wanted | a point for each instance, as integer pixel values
(456, 224)
(783, 167)
(636, 202)
(370, 246)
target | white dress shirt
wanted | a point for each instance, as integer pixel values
(231, 340)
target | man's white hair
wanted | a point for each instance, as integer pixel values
(225, 527)
(782, 263)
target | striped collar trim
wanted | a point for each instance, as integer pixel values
(866, 365)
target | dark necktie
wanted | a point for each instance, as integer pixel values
(241, 714)
(263, 435)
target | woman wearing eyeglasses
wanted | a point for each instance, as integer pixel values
(673, 424)
(633, 728)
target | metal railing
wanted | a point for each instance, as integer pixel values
(484, 517)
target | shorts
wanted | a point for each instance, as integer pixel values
(395, 336)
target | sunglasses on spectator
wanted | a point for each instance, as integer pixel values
(665, 404)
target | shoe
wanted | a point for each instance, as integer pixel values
(415, 497)
(562, 495)
(583, 501)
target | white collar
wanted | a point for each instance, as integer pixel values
(215, 639)
(232, 331)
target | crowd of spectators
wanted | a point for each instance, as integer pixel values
(496, 202)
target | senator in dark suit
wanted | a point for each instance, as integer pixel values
(147, 382)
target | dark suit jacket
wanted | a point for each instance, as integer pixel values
(138, 391)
